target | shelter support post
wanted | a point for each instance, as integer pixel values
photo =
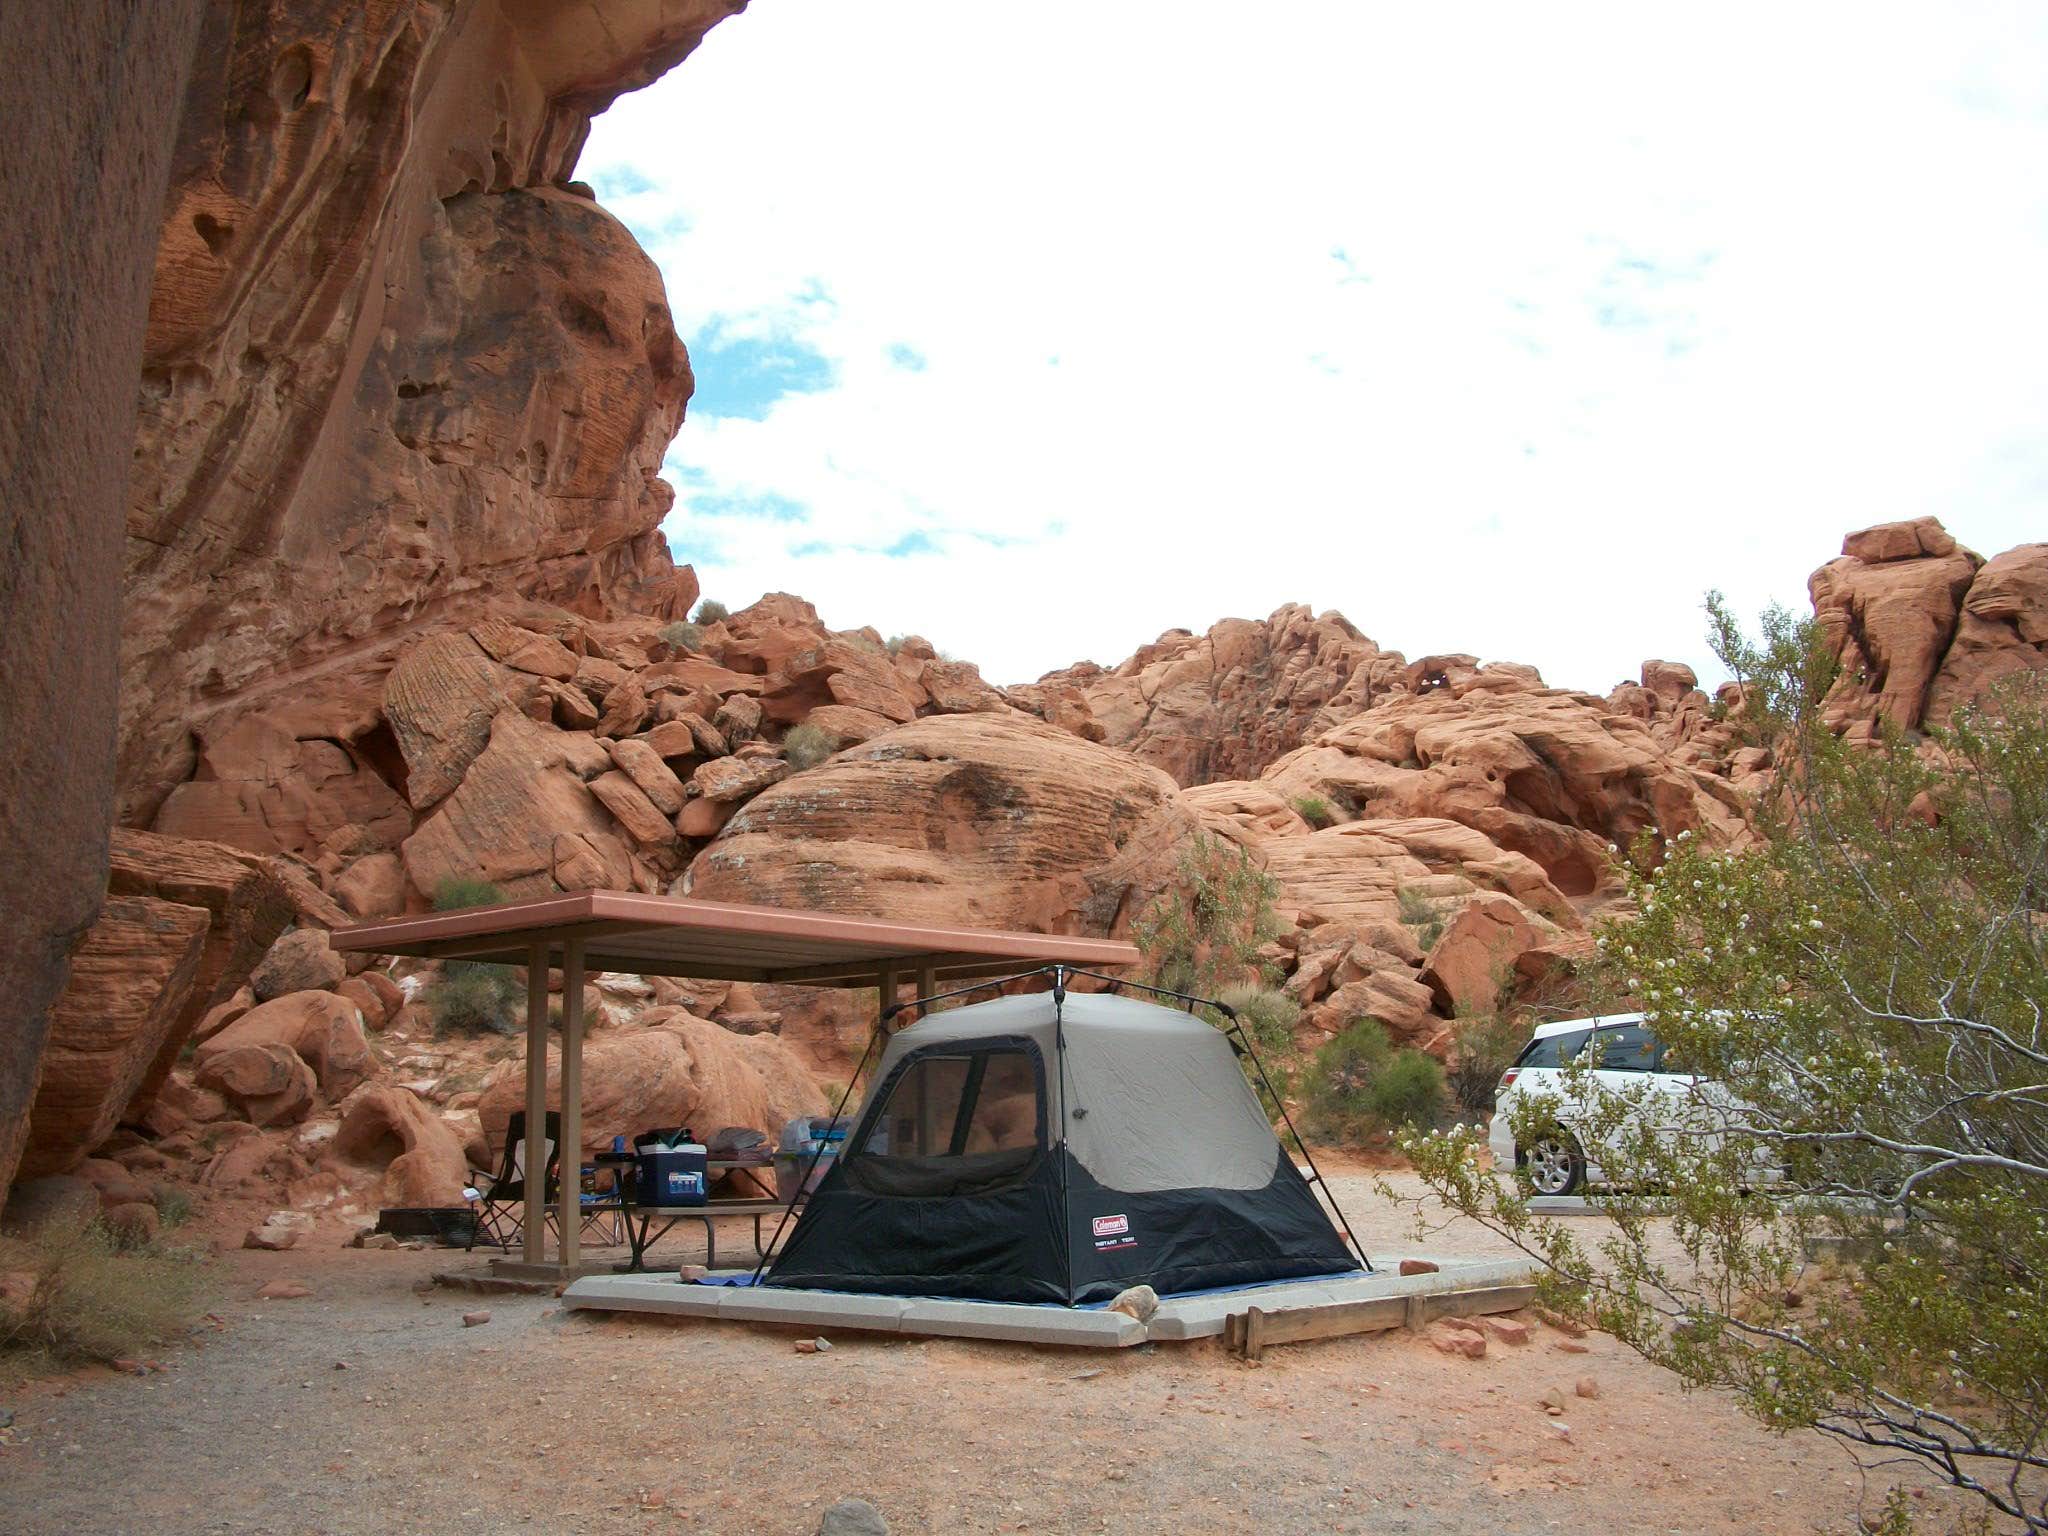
(534, 1232)
(927, 981)
(885, 995)
(572, 1103)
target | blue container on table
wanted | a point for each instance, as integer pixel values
(677, 1174)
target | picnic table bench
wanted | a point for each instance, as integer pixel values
(642, 1234)
(646, 1225)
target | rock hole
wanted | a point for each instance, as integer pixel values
(291, 82)
(212, 231)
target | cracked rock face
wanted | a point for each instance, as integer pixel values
(397, 366)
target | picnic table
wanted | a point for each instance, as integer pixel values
(640, 1221)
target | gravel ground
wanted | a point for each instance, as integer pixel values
(542, 1420)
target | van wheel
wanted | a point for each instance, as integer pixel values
(1555, 1164)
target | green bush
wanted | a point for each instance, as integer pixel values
(94, 1298)
(173, 1207)
(1358, 1087)
(1268, 1016)
(1336, 1086)
(1409, 1091)
(681, 637)
(1314, 810)
(711, 612)
(894, 644)
(461, 891)
(474, 999)
(806, 746)
(1420, 913)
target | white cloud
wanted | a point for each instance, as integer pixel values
(1507, 330)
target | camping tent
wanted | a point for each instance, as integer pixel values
(1059, 1147)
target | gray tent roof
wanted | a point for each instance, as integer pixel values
(1151, 1098)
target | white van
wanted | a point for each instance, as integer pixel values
(1631, 1061)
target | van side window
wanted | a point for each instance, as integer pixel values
(1629, 1048)
(1555, 1050)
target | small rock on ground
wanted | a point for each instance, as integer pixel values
(283, 1290)
(1418, 1267)
(1140, 1302)
(1508, 1330)
(475, 1319)
(1587, 1387)
(853, 1517)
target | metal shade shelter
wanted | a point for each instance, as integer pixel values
(704, 940)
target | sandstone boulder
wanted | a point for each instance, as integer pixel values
(681, 1071)
(269, 1083)
(130, 982)
(421, 1159)
(523, 818)
(982, 820)
(1472, 966)
(325, 1030)
(440, 701)
(2002, 632)
(301, 961)
(112, 1040)
(1225, 704)
(1889, 607)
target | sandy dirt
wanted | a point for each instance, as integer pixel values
(369, 1407)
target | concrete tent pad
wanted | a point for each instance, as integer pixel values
(864, 1314)
(1457, 1289)
(676, 936)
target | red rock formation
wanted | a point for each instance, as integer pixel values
(979, 820)
(396, 366)
(1221, 705)
(1553, 775)
(185, 923)
(90, 95)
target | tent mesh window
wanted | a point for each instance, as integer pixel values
(955, 1123)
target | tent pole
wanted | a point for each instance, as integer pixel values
(534, 1233)
(1059, 1045)
(571, 1151)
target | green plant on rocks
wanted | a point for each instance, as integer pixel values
(806, 746)
(711, 611)
(1314, 810)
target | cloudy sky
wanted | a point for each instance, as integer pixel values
(1504, 329)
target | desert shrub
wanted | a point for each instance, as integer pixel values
(463, 891)
(93, 1298)
(680, 636)
(711, 611)
(173, 1207)
(806, 746)
(1314, 810)
(1203, 934)
(1268, 1016)
(895, 643)
(1358, 1088)
(474, 999)
(1409, 1091)
(1336, 1085)
(1421, 914)
(1487, 1044)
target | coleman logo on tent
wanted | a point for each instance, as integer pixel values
(1113, 1232)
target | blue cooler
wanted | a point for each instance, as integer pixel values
(674, 1175)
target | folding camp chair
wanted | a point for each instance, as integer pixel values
(500, 1203)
